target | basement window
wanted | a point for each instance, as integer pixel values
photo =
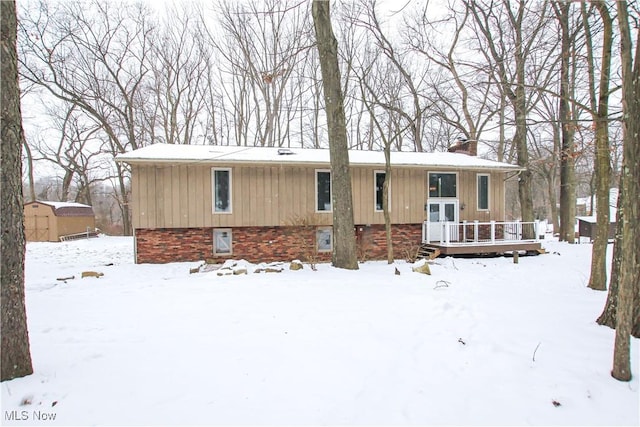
(222, 241)
(324, 239)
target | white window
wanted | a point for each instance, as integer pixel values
(378, 178)
(222, 241)
(483, 192)
(323, 190)
(221, 186)
(324, 239)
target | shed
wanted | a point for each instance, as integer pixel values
(57, 221)
(587, 227)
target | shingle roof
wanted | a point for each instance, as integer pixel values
(69, 208)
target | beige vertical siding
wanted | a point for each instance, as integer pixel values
(168, 196)
(40, 223)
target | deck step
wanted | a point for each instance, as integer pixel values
(427, 251)
(76, 236)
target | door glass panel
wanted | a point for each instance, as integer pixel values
(434, 212)
(449, 211)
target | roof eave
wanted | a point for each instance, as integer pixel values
(142, 160)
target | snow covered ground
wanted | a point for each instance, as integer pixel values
(497, 344)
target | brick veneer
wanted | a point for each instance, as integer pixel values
(264, 244)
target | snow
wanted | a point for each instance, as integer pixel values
(230, 154)
(57, 205)
(613, 206)
(480, 341)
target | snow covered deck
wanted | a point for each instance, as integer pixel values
(475, 237)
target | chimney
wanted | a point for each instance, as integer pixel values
(464, 146)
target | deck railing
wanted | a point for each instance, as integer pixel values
(486, 233)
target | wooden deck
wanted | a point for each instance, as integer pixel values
(476, 238)
(531, 248)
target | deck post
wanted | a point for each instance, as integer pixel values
(476, 225)
(493, 232)
(464, 230)
(536, 229)
(447, 232)
(425, 232)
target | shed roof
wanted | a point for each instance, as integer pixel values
(217, 154)
(68, 208)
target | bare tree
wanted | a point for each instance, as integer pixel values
(77, 154)
(28, 159)
(262, 45)
(94, 56)
(629, 285)
(519, 24)
(383, 86)
(413, 113)
(599, 103)
(461, 97)
(567, 161)
(344, 240)
(181, 78)
(16, 355)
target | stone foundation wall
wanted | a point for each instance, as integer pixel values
(266, 244)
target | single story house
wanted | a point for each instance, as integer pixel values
(205, 202)
(54, 221)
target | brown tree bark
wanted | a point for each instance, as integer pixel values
(344, 238)
(16, 357)
(608, 316)
(385, 202)
(600, 114)
(567, 160)
(630, 245)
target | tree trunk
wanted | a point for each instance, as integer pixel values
(567, 161)
(30, 180)
(519, 102)
(123, 201)
(608, 316)
(630, 247)
(598, 279)
(344, 238)
(553, 208)
(385, 201)
(16, 356)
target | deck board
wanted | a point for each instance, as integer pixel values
(497, 248)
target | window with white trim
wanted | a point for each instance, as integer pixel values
(379, 177)
(323, 190)
(222, 241)
(221, 187)
(483, 191)
(324, 239)
(443, 184)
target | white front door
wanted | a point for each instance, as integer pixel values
(440, 211)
